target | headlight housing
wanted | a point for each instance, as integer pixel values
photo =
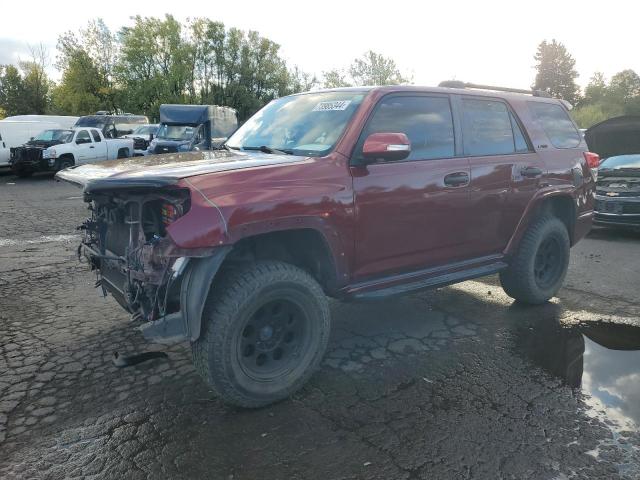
(49, 153)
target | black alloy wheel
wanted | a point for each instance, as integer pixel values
(272, 339)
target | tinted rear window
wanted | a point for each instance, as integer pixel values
(556, 123)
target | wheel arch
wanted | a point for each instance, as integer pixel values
(560, 203)
(65, 156)
(305, 248)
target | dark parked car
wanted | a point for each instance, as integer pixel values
(617, 140)
(356, 193)
(618, 192)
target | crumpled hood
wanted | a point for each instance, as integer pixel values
(42, 143)
(167, 169)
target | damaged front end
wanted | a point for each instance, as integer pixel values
(126, 242)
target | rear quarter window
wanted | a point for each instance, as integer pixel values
(556, 123)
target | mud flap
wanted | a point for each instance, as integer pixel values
(195, 289)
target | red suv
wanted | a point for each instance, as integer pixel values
(350, 193)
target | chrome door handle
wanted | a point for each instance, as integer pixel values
(531, 172)
(457, 179)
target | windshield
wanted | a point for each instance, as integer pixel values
(54, 135)
(622, 161)
(146, 130)
(176, 132)
(308, 124)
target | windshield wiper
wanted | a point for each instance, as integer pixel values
(224, 146)
(265, 149)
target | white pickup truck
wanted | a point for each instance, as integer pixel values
(56, 149)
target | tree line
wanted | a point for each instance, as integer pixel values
(601, 99)
(161, 60)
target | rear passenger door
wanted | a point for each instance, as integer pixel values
(412, 213)
(505, 171)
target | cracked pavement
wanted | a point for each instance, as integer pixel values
(430, 385)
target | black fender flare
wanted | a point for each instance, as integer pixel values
(195, 287)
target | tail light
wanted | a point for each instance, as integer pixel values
(593, 159)
(169, 213)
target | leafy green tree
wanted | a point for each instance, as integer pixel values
(79, 92)
(375, 69)
(335, 79)
(35, 81)
(556, 71)
(12, 91)
(624, 86)
(596, 90)
(153, 65)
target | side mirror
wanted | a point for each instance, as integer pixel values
(150, 136)
(386, 146)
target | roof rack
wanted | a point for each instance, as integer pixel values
(460, 84)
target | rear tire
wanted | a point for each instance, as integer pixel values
(265, 330)
(123, 153)
(537, 271)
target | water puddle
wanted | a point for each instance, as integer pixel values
(603, 360)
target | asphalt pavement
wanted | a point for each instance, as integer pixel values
(453, 383)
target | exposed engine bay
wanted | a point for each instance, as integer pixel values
(125, 240)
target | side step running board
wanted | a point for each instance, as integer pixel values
(432, 282)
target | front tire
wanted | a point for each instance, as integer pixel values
(537, 270)
(265, 330)
(65, 162)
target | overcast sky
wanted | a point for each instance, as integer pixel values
(482, 41)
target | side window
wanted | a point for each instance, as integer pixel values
(518, 137)
(556, 123)
(83, 137)
(426, 121)
(109, 131)
(487, 128)
(96, 136)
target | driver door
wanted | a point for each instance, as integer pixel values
(84, 147)
(412, 213)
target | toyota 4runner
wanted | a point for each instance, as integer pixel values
(355, 193)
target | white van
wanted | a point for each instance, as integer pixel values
(64, 121)
(15, 133)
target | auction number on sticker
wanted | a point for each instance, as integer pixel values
(332, 106)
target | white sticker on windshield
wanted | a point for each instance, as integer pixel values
(332, 106)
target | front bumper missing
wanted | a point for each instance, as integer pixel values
(192, 275)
